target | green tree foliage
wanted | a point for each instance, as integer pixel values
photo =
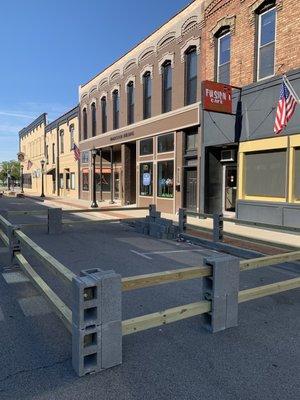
(10, 167)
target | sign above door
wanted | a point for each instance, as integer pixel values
(217, 97)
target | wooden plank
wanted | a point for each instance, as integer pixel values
(268, 290)
(91, 210)
(259, 262)
(4, 238)
(46, 258)
(159, 278)
(29, 212)
(168, 316)
(61, 309)
(5, 222)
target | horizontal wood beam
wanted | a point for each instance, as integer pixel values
(259, 262)
(29, 212)
(60, 308)
(4, 238)
(46, 258)
(91, 210)
(268, 290)
(168, 316)
(159, 278)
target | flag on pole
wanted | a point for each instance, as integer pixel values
(76, 152)
(287, 103)
(29, 164)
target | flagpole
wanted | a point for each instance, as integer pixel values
(290, 87)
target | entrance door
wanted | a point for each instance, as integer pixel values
(229, 187)
(117, 185)
(191, 189)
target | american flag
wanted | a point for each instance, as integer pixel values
(76, 152)
(286, 106)
(29, 164)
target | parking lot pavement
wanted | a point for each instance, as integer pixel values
(260, 359)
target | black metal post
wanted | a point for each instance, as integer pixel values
(42, 164)
(94, 200)
(100, 153)
(111, 175)
(22, 180)
(8, 180)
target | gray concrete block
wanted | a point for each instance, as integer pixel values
(152, 210)
(222, 289)
(111, 344)
(54, 221)
(218, 224)
(86, 350)
(5, 257)
(111, 300)
(182, 220)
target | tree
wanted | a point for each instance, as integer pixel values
(12, 167)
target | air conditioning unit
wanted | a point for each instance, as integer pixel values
(228, 155)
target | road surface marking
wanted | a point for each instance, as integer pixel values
(174, 251)
(15, 277)
(141, 254)
(35, 305)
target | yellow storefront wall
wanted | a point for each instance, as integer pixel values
(283, 142)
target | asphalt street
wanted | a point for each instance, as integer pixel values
(260, 359)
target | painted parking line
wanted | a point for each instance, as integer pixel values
(141, 254)
(15, 277)
(35, 305)
(1, 315)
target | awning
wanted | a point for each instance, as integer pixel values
(51, 171)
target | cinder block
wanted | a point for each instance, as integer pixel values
(222, 289)
(111, 301)
(218, 224)
(5, 257)
(54, 221)
(182, 220)
(111, 344)
(86, 350)
(14, 243)
(152, 210)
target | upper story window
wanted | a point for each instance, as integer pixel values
(146, 147)
(94, 121)
(191, 76)
(130, 103)
(223, 57)
(104, 114)
(53, 153)
(62, 141)
(85, 157)
(266, 37)
(167, 87)
(72, 140)
(84, 123)
(47, 154)
(165, 143)
(147, 88)
(116, 109)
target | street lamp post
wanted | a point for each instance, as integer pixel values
(8, 180)
(42, 165)
(22, 180)
(94, 201)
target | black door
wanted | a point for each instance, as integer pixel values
(191, 189)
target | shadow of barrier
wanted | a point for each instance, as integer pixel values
(95, 317)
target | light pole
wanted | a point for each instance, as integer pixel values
(94, 201)
(42, 165)
(8, 180)
(22, 181)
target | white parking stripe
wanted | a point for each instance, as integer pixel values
(141, 254)
(175, 251)
(35, 305)
(15, 277)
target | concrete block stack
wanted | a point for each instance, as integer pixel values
(156, 226)
(96, 321)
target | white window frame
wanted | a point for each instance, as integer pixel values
(259, 41)
(219, 47)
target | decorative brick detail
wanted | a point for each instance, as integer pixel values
(226, 21)
(257, 4)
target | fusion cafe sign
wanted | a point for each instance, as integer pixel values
(217, 97)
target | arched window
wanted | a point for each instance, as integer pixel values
(130, 103)
(84, 123)
(266, 36)
(62, 141)
(94, 121)
(166, 86)
(71, 130)
(191, 75)
(147, 89)
(116, 109)
(223, 50)
(104, 114)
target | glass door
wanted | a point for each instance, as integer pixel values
(229, 187)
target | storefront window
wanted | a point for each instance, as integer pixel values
(105, 182)
(68, 181)
(191, 142)
(72, 180)
(165, 143)
(297, 173)
(61, 181)
(146, 147)
(85, 157)
(165, 179)
(85, 181)
(146, 179)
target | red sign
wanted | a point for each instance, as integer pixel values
(217, 97)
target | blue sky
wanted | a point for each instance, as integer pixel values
(49, 47)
